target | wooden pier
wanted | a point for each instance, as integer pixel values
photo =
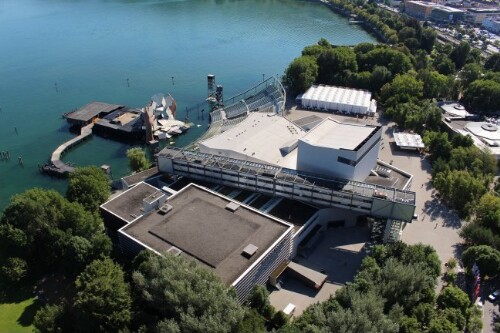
(58, 167)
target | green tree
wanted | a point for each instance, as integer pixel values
(88, 186)
(482, 96)
(335, 64)
(253, 322)
(137, 160)
(436, 85)
(40, 227)
(409, 325)
(428, 39)
(103, 300)
(475, 234)
(170, 287)
(477, 161)
(488, 212)
(394, 60)
(469, 73)
(404, 88)
(444, 65)
(475, 319)
(438, 145)
(13, 270)
(259, 299)
(424, 313)
(51, 319)
(406, 284)
(279, 320)
(461, 189)
(453, 297)
(379, 76)
(493, 62)
(442, 325)
(301, 74)
(486, 258)
(460, 54)
(415, 117)
(454, 316)
(361, 312)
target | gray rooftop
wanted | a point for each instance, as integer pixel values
(203, 229)
(129, 205)
(140, 176)
(91, 110)
(334, 134)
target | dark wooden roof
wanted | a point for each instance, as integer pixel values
(91, 110)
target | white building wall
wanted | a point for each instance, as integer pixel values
(367, 163)
(325, 160)
(321, 160)
(262, 269)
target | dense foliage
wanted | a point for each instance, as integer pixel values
(88, 186)
(137, 159)
(103, 301)
(183, 296)
(394, 291)
(40, 231)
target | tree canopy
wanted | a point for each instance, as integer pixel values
(48, 232)
(137, 159)
(103, 302)
(486, 258)
(186, 295)
(88, 186)
(301, 74)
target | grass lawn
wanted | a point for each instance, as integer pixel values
(17, 310)
(18, 317)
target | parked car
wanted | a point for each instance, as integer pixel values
(494, 295)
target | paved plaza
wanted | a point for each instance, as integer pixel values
(338, 255)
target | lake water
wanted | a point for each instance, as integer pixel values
(57, 55)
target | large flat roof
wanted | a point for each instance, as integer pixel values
(201, 228)
(447, 9)
(129, 205)
(408, 140)
(334, 134)
(91, 110)
(341, 95)
(261, 136)
(454, 109)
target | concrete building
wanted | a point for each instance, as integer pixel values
(335, 149)
(241, 244)
(485, 135)
(419, 9)
(369, 199)
(476, 16)
(444, 14)
(345, 100)
(492, 25)
(330, 148)
(130, 205)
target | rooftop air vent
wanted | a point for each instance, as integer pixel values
(165, 209)
(249, 251)
(232, 206)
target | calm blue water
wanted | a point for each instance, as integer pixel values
(57, 55)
